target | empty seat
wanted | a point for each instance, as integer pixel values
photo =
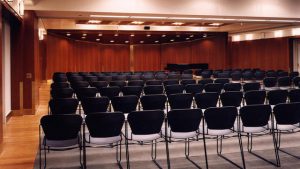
(63, 106)
(255, 97)
(180, 101)
(94, 104)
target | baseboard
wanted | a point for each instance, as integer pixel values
(10, 114)
(28, 112)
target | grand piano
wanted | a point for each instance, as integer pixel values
(182, 67)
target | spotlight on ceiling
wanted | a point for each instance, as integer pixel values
(94, 22)
(215, 24)
(177, 23)
(137, 22)
(97, 39)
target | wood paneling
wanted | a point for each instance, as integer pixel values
(65, 55)
(147, 58)
(1, 102)
(264, 54)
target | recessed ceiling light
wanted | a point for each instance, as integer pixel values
(83, 37)
(163, 35)
(177, 23)
(141, 41)
(204, 35)
(172, 40)
(215, 24)
(127, 41)
(68, 34)
(177, 36)
(97, 39)
(132, 35)
(156, 41)
(137, 22)
(184, 18)
(149, 17)
(148, 35)
(100, 34)
(111, 41)
(191, 36)
(109, 16)
(116, 34)
(84, 34)
(94, 21)
(187, 38)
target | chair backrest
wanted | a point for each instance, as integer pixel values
(180, 101)
(255, 115)
(224, 75)
(119, 83)
(125, 104)
(277, 96)
(79, 84)
(146, 122)
(296, 81)
(61, 127)
(287, 113)
(222, 81)
(99, 84)
(206, 100)
(94, 104)
(148, 76)
(110, 92)
(248, 75)
(132, 90)
(251, 86)
(284, 81)
(119, 78)
(154, 89)
(259, 75)
(206, 74)
(105, 78)
(134, 77)
(173, 89)
(186, 76)
(194, 88)
(161, 76)
(62, 93)
(294, 95)
(213, 87)
(153, 102)
(86, 92)
(184, 120)
(236, 76)
(135, 83)
(60, 85)
(255, 97)
(63, 106)
(187, 81)
(205, 81)
(232, 86)
(293, 74)
(270, 81)
(219, 118)
(271, 73)
(170, 82)
(105, 124)
(154, 82)
(231, 98)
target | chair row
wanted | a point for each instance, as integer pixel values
(152, 126)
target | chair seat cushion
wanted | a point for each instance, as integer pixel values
(61, 143)
(146, 137)
(102, 140)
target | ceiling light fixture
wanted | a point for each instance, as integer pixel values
(249, 36)
(116, 34)
(111, 41)
(191, 36)
(68, 34)
(83, 37)
(149, 17)
(187, 38)
(163, 35)
(137, 22)
(141, 41)
(94, 22)
(132, 35)
(126, 41)
(177, 36)
(97, 39)
(177, 23)
(84, 34)
(204, 35)
(156, 41)
(172, 40)
(100, 34)
(296, 31)
(215, 24)
(278, 33)
(184, 18)
(148, 35)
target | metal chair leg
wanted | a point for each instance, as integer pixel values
(204, 143)
(118, 154)
(241, 149)
(126, 145)
(167, 144)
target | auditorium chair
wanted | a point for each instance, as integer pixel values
(206, 100)
(170, 82)
(86, 92)
(161, 76)
(296, 81)
(293, 74)
(232, 87)
(105, 78)
(59, 85)
(61, 93)
(231, 98)
(154, 82)
(125, 104)
(180, 101)
(173, 89)
(284, 82)
(255, 97)
(132, 90)
(94, 104)
(135, 83)
(154, 102)
(63, 106)
(186, 76)
(205, 81)
(194, 88)
(99, 84)
(187, 81)
(213, 87)
(277, 96)
(133, 77)
(270, 83)
(294, 95)
(154, 89)
(221, 80)
(119, 83)
(251, 86)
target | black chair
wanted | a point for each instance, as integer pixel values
(154, 89)
(231, 98)
(63, 106)
(186, 76)
(180, 101)
(120, 84)
(187, 81)
(188, 71)
(60, 85)
(134, 77)
(135, 83)
(255, 122)
(259, 75)
(205, 81)
(170, 82)
(206, 100)
(222, 81)
(184, 124)
(75, 78)
(105, 78)
(271, 73)
(59, 77)
(62, 93)
(125, 104)
(236, 76)
(296, 81)
(198, 72)
(232, 87)
(287, 119)
(224, 75)
(206, 74)
(248, 76)
(293, 74)
(270, 83)
(78, 85)
(91, 79)
(161, 76)
(284, 82)
(132, 90)
(99, 84)
(255, 97)
(173, 76)
(294, 95)
(94, 104)
(173, 89)
(213, 87)
(154, 82)
(147, 77)
(61, 132)
(145, 127)
(194, 88)
(154, 102)
(110, 92)
(277, 96)
(119, 78)
(283, 74)
(104, 129)
(251, 86)
(86, 92)
(220, 123)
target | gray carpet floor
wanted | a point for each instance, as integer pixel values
(140, 155)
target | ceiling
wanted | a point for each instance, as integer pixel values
(195, 16)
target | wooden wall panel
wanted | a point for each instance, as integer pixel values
(264, 54)
(147, 58)
(115, 58)
(1, 101)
